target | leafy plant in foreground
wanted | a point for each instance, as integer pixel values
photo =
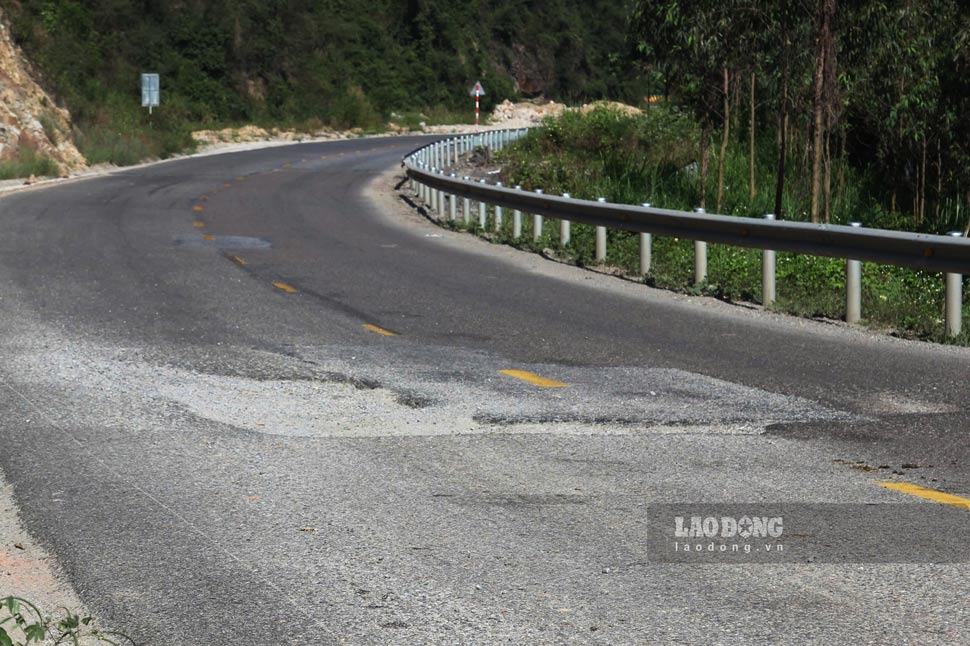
(22, 623)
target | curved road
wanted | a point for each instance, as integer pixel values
(252, 398)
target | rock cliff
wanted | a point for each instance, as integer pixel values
(29, 118)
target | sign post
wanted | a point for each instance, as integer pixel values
(477, 91)
(149, 91)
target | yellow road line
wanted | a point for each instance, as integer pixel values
(227, 185)
(929, 494)
(379, 330)
(197, 208)
(237, 260)
(208, 238)
(198, 224)
(534, 379)
(289, 289)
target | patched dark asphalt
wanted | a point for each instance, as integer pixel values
(199, 427)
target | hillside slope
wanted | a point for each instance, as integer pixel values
(286, 62)
(30, 123)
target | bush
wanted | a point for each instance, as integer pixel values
(27, 163)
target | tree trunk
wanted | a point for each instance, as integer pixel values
(819, 125)
(822, 107)
(705, 162)
(939, 180)
(922, 189)
(724, 141)
(827, 183)
(751, 187)
(782, 136)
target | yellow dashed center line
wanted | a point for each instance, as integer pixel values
(379, 330)
(208, 238)
(198, 224)
(227, 186)
(929, 494)
(197, 208)
(237, 260)
(534, 379)
(289, 289)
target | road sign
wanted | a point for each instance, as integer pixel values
(477, 91)
(150, 94)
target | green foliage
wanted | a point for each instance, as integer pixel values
(647, 158)
(346, 65)
(28, 163)
(22, 623)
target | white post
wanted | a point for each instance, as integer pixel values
(646, 245)
(498, 212)
(517, 219)
(537, 223)
(700, 257)
(954, 299)
(853, 287)
(601, 238)
(482, 212)
(768, 272)
(564, 227)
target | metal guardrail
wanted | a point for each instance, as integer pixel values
(426, 168)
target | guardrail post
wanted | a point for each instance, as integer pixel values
(768, 272)
(452, 200)
(537, 223)
(646, 248)
(442, 196)
(498, 212)
(482, 212)
(700, 257)
(954, 299)
(601, 238)
(517, 218)
(466, 210)
(853, 287)
(564, 227)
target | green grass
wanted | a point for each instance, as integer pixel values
(643, 159)
(29, 163)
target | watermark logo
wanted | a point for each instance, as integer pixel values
(738, 533)
(744, 527)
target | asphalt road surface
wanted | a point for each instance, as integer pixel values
(256, 398)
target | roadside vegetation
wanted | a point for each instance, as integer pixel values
(28, 163)
(22, 623)
(305, 65)
(825, 112)
(652, 157)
